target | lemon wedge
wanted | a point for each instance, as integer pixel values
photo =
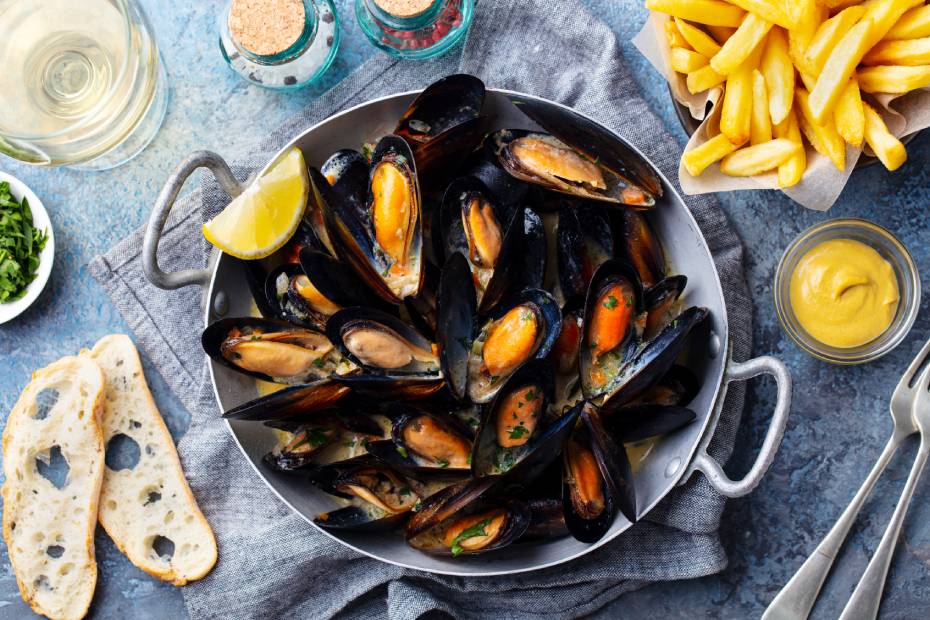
(266, 214)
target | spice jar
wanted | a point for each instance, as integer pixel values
(280, 44)
(414, 28)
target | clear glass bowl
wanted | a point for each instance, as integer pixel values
(890, 248)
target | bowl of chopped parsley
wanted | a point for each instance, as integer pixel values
(27, 247)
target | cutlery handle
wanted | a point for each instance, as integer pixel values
(864, 602)
(797, 598)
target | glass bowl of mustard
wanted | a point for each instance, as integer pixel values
(847, 291)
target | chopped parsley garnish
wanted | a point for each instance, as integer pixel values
(402, 451)
(530, 394)
(518, 431)
(442, 463)
(20, 246)
(417, 506)
(318, 363)
(317, 437)
(611, 302)
(404, 491)
(478, 529)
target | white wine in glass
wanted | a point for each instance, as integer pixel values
(82, 83)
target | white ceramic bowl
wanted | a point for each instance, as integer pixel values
(40, 220)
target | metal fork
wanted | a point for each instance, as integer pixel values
(797, 598)
(864, 602)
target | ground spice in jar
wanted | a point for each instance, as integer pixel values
(268, 27)
(404, 8)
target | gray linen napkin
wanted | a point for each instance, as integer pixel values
(272, 563)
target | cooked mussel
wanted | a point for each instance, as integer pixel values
(456, 307)
(381, 344)
(565, 352)
(421, 439)
(637, 182)
(488, 234)
(661, 304)
(584, 242)
(514, 420)
(638, 242)
(512, 334)
(461, 520)
(542, 159)
(597, 479)
(294, 400)
(270, 350)
(380, 498)
(676, 388)
(346, 170)
(325, 437)
(443, 123)
(294, 297)
(610, 332)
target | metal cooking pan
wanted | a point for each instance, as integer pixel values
(671, 462)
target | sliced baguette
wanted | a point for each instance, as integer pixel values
(49, 531)
(142, 506)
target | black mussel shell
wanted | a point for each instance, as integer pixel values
(359, 519)
(255, 277)
(583, 243)
(371, 517)
(455, 330)
(482, 383)
(638, 242)
(416, 357)
(287, 302)
(410, 442)
(422, 309)
(336, 282)
(402, 387)
(534, 250)
(226, 340)
(640, 184)
(660, 302)
(654, 360)
(505, 190)
(632, 423)
(347, 173)
(600, 364)
(295, 400)
(607, 473)
(547, 520)
(448, 502)
(320, 431)
(677, 387)
(443, 123)
(518, 414)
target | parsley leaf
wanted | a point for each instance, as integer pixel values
(442, 463)
(478, 529)
(611, 302)
(518, 431)
(20, 246)
(402, 451)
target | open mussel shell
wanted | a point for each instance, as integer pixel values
(382, 344)
(533, 270)
(637, 182)
(654, 360)
(295, 400)
(443, 124)
(514, 332)
(456, 307)
(515, 421)
(462, 520)
(334, 434)
(638, 243)
(295, 299)
(542, 159)
(583, 243)
(270, 350)
(490, 236)
(423, 440)
(504, 189)
(565, 352)
(346, 170)
(382, 498)
(598, 479)
(677, 387)
(661, 303)
(336, 283)
(609, 332)
(632, 423)
(547, 520)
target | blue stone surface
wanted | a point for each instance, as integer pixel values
(838, 424)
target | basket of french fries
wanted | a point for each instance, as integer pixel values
(796, 89)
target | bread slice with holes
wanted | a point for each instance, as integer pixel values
(53, 461)
(146, 505)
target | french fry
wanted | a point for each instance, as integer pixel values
(799, 39)
(699, 158)
(753, 160)
(884, 14)
(685, 60)
(893, 79)
(914, 24)
(710, 12)
(699, 40)
(747, 38)
(769, 10)
(825, 139)
(735, 117)
(829, 34)
(674, 36)
(837, 4)
(886, 147)
(779, 74)
(906, 52)
(803, 14)
(808, 80)
(849, 114)
(792, 170)
(704, 79)
(760, 124)
(720, 33)
(838, 69)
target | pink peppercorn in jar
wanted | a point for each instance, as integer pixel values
(414, 28)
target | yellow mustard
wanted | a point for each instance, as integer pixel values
(844, 293)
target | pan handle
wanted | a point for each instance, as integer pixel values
(169, 193)
(711, 468)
